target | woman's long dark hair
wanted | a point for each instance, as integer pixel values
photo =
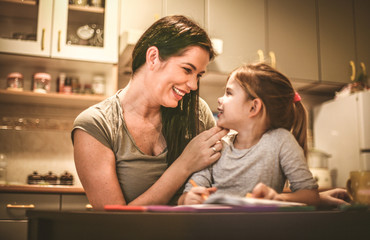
(172, 35)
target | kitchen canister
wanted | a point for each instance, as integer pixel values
(15, 81)
(41, 82)
(98, 85)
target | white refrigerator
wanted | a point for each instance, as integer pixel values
(341, 128)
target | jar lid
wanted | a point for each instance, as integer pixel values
(42, 76)
(15, 75)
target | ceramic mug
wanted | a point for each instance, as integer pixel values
(358, 187)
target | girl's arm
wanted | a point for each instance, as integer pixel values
(100, 181)
(307, 196)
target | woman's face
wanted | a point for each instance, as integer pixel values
(233, 106)
(178, 75)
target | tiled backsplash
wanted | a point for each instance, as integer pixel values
(37, 138)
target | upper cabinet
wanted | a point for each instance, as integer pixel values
(57, 29)
(337, 40)
(26, 27)
(292, 38)
(240, 24)
(362, 29)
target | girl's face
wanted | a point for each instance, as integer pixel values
(234, 106)
(178, 75)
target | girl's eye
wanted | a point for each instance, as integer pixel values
(187, 70)
(199, 76)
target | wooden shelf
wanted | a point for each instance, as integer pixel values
(25, 2)
(86, 8)
(50, 99)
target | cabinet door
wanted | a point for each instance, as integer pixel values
(26, 27)
(292, 37)
(337, 40)
(85, 33)
(74, 202)
(14, 205)
(362, 10)
(191, 8)
(241, 26)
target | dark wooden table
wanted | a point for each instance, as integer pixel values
(297, 225)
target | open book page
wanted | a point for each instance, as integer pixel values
(243, 201)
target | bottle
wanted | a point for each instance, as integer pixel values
(67, 89)
(60, 82)
(3, 169)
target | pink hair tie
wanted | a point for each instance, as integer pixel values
(297, 98)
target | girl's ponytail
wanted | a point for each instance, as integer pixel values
(299, 127)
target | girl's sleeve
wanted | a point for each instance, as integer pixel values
(294, 165)
(203, 178)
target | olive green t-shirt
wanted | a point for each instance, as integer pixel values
(136, 171)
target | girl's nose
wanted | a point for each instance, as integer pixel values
(219, 100)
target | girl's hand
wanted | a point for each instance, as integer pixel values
(263, 191)
(198, 195)
(203, 150)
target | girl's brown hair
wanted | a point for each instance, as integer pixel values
(172, 35)
(277, 94)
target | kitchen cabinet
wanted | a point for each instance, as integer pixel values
(13, 206)
(60, 30)
(337, 41)
(195, 9)
(240, 25)
(292, 38)
(26, 27)
(362, 29)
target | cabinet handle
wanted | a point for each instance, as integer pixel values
(260, 55)
(353, 76)
(59, 33)
(273, 59)
(29, 206)
(88, 206)
(363, 68)
(43, 39)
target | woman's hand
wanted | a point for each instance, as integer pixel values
(334, 198)
(203, 150)
(196, 195)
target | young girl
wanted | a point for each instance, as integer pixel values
(269, 144)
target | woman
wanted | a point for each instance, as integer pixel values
(138, 147)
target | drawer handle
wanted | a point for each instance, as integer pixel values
(273, 59)
(260, 55)
(88, 206)
(353, 75)
(29, 206)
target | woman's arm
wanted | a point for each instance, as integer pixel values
(308, 196)
(96, 168)
(99, 178)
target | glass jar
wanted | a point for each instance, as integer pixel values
(41, 82)
(98, 85)
(15, 81)
(3, 165)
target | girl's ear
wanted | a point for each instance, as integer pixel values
(256, 107)
(152, 57)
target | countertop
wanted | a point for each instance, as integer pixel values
(61, 225)
(25, 188)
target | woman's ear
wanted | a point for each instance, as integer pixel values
(256, 107)
(152, 57)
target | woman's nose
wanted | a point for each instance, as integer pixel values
(193, 84)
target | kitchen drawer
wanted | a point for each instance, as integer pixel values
(74, 202)
(14, 205)
(13, 229)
